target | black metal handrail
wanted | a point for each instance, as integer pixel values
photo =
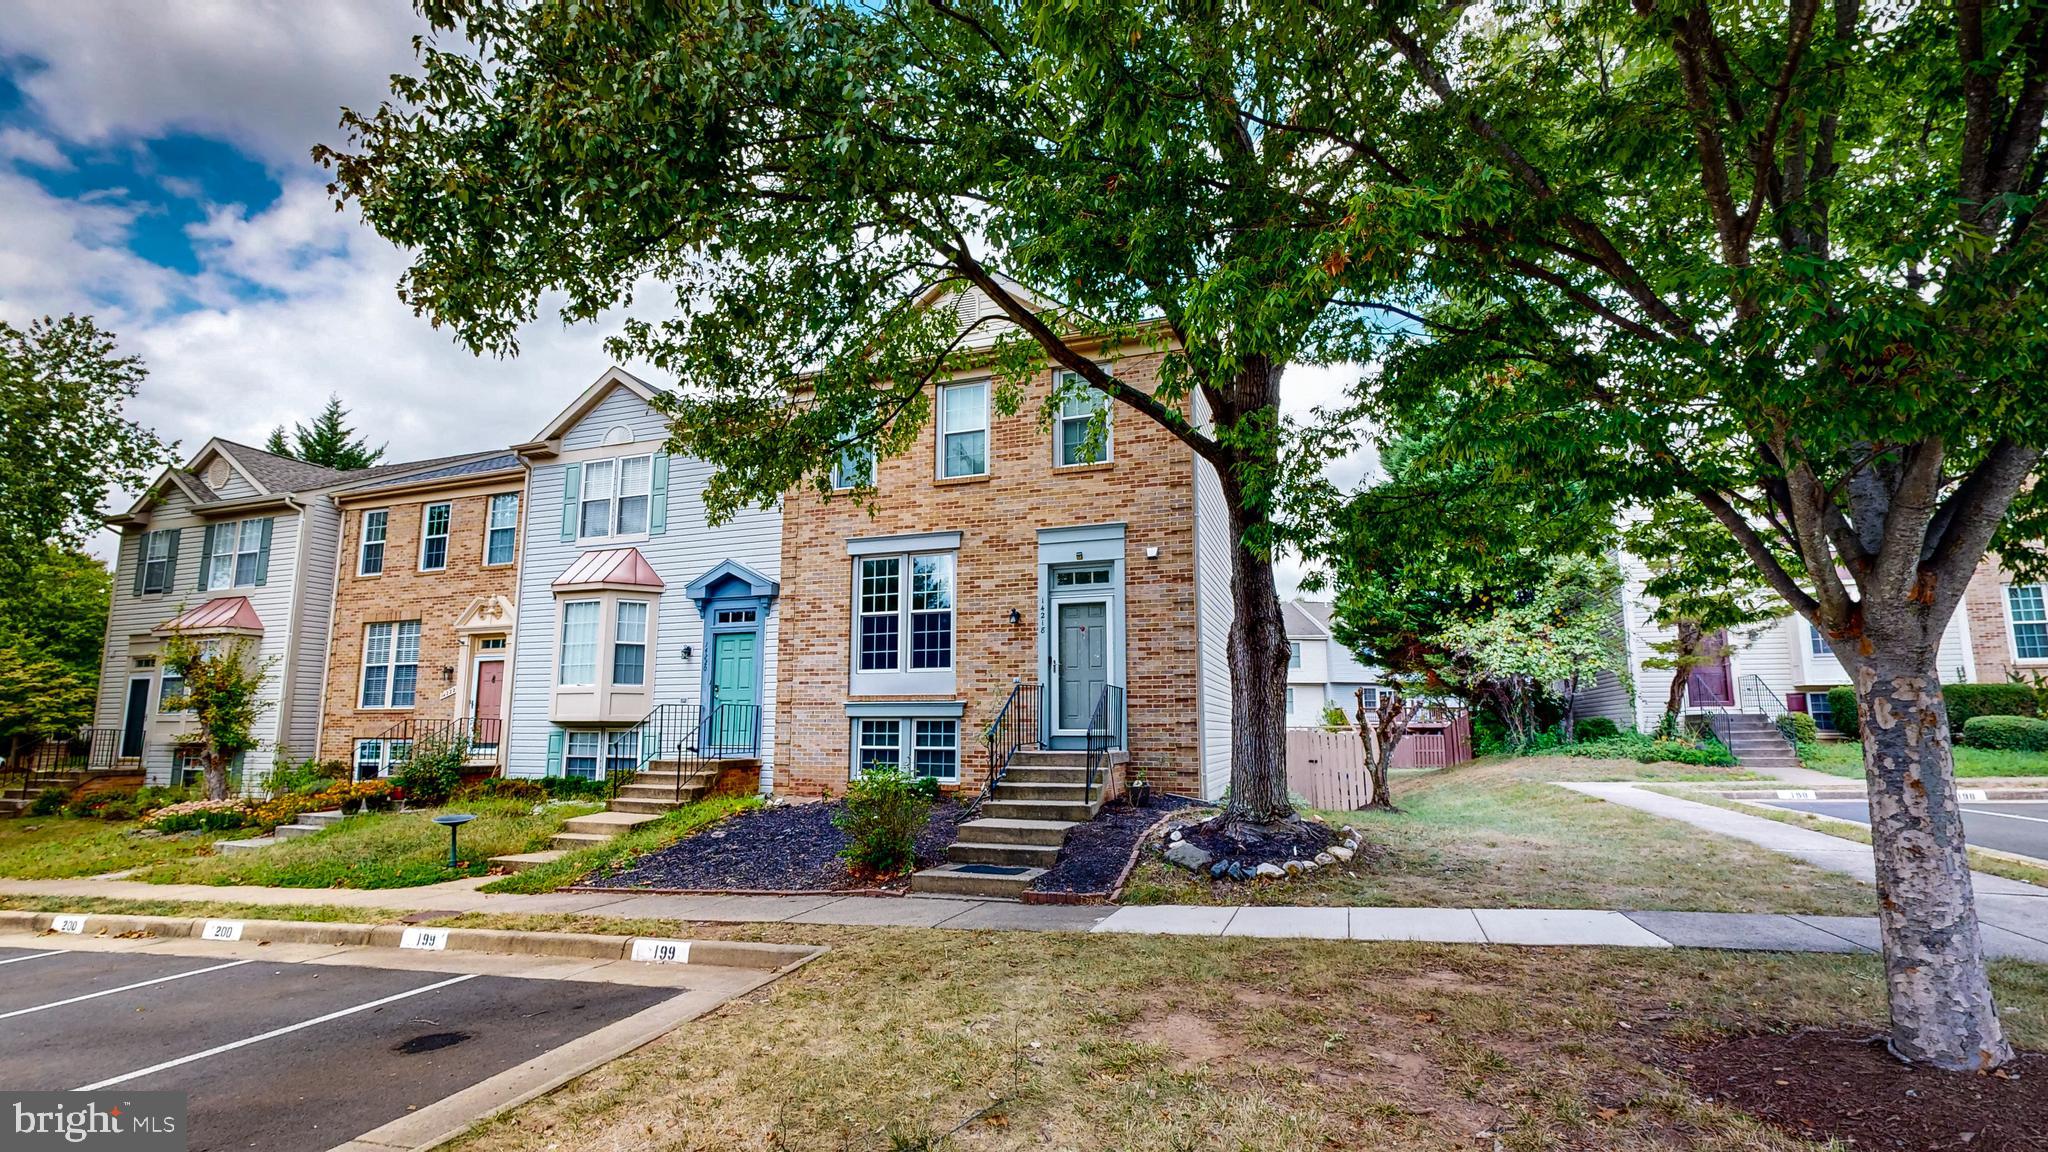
(1752, 687)
(86, 750)
(1105, 734)
(689, 736)
(474, 733)
(1015, 726)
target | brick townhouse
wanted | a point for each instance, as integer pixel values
(425, 591)
(2008, 624)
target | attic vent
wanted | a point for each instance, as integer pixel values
(216, 473)
(619, 435)
(966, 305)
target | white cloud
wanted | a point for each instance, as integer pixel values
(31, 147)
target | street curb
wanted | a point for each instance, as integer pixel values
(1824, 818)
(1965, 795)
(561, 945)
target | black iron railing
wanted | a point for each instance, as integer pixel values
(1015, 726)
(688, 736)
(86, 750)
(1756, 696)
(482, 737)
(1105, 735)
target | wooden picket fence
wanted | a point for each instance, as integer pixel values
(1327, 769)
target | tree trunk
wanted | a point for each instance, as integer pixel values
(1382, 730)
(1686, 647)
(1258, 689)
(216, 777)
(1941, 1006)
(1568, 726)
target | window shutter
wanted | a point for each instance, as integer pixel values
(1795, 701)
(657, 496)
(141, 559)
(650, 743)
(206, 555)
(572, 483)
(554, 751)
(263, 554)
(171, 561)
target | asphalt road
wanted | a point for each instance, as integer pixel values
(281, 1056)
(2009, 826)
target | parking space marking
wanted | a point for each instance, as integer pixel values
(270, 1035)
(122, 988)
(2007, 815)
(36, 956)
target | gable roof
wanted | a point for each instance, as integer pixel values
(547, 443)
(611, 566)
(1306, 619)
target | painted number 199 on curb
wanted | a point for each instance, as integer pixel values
(430, 939)
(661, 951)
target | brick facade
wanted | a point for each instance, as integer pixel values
(1148, 486)
(1985, 607)
(437, 599)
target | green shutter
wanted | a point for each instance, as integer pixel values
(657, 496)
(554, 751)
(171, 564)
(263, 554)
(141, 559)
(206, 555)
(572, 484)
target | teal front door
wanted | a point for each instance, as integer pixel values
(733, 677)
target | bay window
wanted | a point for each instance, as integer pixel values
(578, 665)
(629, 643)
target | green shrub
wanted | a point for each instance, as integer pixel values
(883, 813)
(50, 802)
(502, 788)
(1596, 728)
(2006, 733)
(433, 772)
(1643, 749)
(573, 787)
(1798, 727)
(927, 787)
(114, 805)
(1966, 702)
(1842, 702)
(305, 776)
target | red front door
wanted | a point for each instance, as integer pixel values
(1712, 683)
(490, 690)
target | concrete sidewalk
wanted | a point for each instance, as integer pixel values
(1491, 926)
(2011, 911)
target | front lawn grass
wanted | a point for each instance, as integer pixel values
(1845, 758)
(1497, 834)
(621, 851)
(382, 849)
(1007, 1040)
(57, 847)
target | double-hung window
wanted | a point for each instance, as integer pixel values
(1823, 714)
(391, 664)
(1082, 428)
(896, 631)
(629, 643)
(580, 755)
(236, 557)
(434, 537)
(502, 530)
(614, 499)
(1294, 653)
(170, 686)
(963, 430)
(370, 557)
(2029, 606)
(928, 749)
(376, 758)
(159, 554)
(578, 662)
(853, 467)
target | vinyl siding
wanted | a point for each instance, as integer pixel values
(1214, 611)
(131, 618)
(689, 548)
(308, 659)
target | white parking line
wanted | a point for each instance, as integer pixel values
(2007, 815)
(270, 1035)
(37, 956)
(122, 988)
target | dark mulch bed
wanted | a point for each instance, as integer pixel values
(1818, 1085)
(1095, 852)
(1257, 849)
(785, 848)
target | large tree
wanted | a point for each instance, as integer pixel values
(64, 440)
(1783, 260)
(329, 441)
(798, 176)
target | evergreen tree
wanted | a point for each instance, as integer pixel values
(329, 442)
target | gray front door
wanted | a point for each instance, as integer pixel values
(1083, 661)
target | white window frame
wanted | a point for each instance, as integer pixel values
(1072, 388)
(492, 528)
(619, 639)
(1294, 653)
(428, 535)
(382, 542)
(390, 664)
(616, 757)
(844, 477)
(912, 734)
(597, 644)
(1816, 644)
(946, 429)
(1823, 710)
(615, 497)
(596, 756)
(167, 676)
(389, 754)
(2013, 623)
(243, 538)
(150, 556)
(907, 611)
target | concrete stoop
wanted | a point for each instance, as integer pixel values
(307, 824)
(521, 861)
(1020, 829)
(662, 788)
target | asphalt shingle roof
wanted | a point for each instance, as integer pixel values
(1302, 622)
(282, 473)
(471, 465)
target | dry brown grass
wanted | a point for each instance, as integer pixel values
(1498, 834)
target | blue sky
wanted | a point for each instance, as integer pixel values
(155, 171)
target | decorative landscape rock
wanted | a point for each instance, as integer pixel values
(1293, 868)
(1269, 872)
(1221, 869)
(1323, 858)
(1188, 856)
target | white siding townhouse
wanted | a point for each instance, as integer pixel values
(1321, 671)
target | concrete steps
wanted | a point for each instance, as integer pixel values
(308, 823)
(981, 881)
(521, 861)
(1020, 830)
